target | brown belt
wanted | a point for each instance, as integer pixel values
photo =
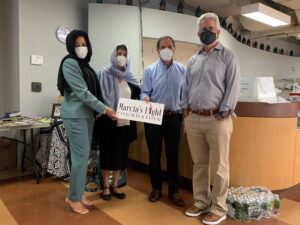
(206, 112)
(169, 112)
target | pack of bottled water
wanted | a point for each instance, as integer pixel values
(246, 203)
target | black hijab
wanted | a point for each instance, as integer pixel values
(89, 74)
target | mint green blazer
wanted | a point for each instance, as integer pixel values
(78, 101)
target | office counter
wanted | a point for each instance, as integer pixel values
(264, 149)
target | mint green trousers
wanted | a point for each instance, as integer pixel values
(79, 133)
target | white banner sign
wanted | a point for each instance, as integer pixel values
(140, 111)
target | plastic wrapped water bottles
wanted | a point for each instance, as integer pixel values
(246, 203)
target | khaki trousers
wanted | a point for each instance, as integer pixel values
(208, 140)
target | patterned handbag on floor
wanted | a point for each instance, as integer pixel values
(53, 154)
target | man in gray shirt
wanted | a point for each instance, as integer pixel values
(209, 98)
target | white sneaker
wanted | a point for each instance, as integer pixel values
(213, 219)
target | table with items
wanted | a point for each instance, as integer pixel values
(25, 125)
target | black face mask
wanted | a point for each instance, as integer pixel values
(207, 37)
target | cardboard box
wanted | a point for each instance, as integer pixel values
(8, 154)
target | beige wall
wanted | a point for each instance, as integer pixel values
(29, 27)
(39, 20)
(10, 58)
(106, 31)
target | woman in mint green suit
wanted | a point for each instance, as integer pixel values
(78, 84)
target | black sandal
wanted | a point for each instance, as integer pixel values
(106, 197)
(119, 195)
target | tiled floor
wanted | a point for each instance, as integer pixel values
(23, 202)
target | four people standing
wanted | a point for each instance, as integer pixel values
(209, 98)
(162, 83)
(207, 91)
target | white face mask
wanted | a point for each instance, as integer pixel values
(166, 54)
(81, 52)
(121, 60)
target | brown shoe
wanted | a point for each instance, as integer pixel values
(194, 211)
(155, 195)
(176, 199)
(213, 219)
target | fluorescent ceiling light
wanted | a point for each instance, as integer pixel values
(265, 14)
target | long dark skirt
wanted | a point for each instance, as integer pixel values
(113, 144)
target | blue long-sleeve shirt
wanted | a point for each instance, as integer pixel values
(164, 85)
